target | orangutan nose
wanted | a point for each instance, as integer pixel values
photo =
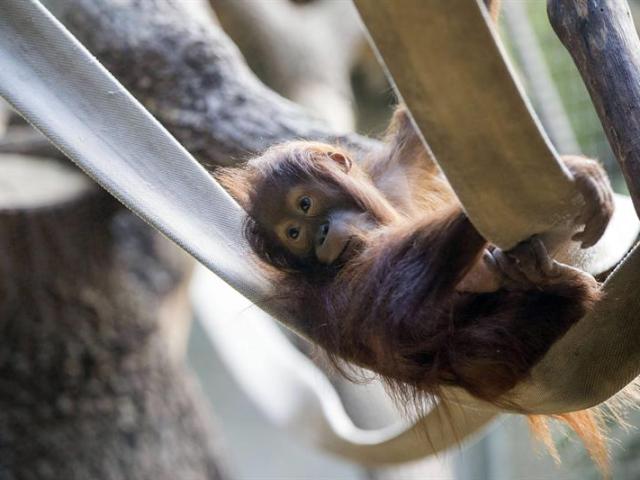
(322, 233)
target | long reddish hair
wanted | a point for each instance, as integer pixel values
(393, 307)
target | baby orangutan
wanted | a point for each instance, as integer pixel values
(381, 266)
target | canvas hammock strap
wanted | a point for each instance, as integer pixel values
(450, 70)
(452, 73)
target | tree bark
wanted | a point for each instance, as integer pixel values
(602, 39)
(88, 389)
(188, 73)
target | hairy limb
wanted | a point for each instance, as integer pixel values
(484, 276)
(403, 149)
(593, 183)
(405, 141)
(526, 267)
(529, 265)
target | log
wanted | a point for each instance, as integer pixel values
(87, 386)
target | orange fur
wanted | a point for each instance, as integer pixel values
(393, 308)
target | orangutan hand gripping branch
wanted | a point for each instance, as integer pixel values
(383, 268)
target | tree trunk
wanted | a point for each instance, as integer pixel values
(187, 72)
(88, 389)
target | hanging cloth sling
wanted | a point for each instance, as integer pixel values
(451, 70)
(50, 78)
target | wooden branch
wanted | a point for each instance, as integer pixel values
(87, 387)
(602, 39)
(191, 77)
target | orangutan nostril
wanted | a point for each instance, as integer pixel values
(324, 230)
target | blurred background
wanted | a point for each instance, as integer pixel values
(315, 53)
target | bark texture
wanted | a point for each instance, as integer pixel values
(88, 388)
(188, 73)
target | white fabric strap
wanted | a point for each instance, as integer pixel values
(451, 71)
(62, 90)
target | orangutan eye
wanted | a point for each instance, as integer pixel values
(293, 233)
(305, 204)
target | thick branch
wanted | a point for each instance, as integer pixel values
(188, 73)
(87, 387)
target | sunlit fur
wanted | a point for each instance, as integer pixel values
(392, 307)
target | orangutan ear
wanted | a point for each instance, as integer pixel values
(341, 159)
(236, 182)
